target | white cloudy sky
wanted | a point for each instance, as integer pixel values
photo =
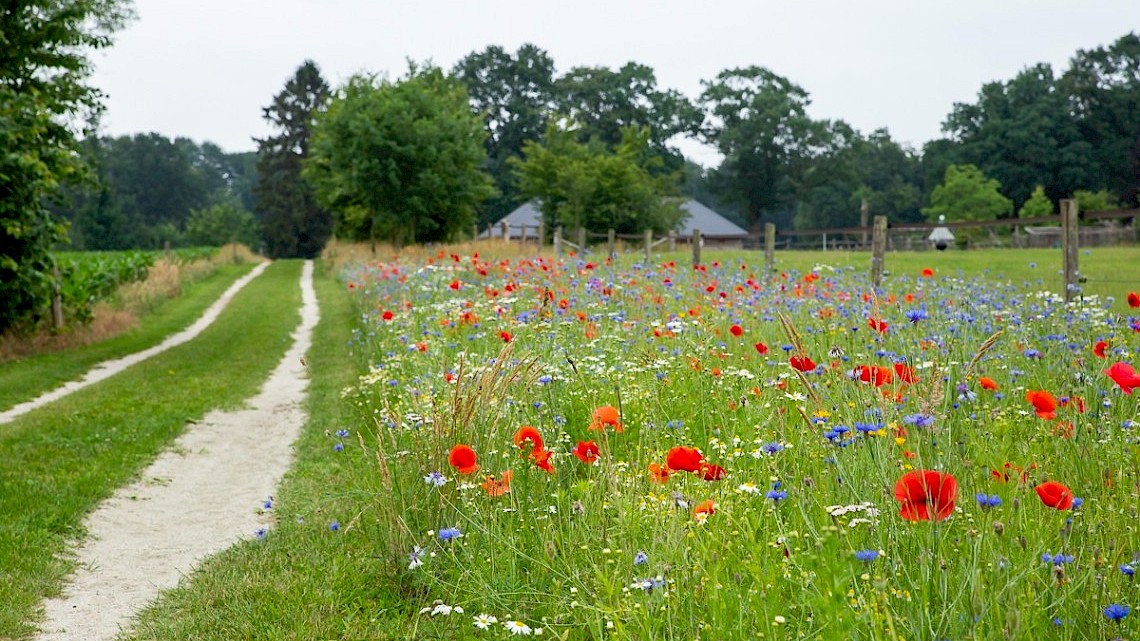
(205, 69)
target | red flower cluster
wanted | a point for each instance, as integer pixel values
(529, 436)
(605, 416)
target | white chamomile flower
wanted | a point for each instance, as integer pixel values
(518, 628)
(485, 621)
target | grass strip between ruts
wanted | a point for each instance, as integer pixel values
(24, 379)
(60, 461)
(304, 581)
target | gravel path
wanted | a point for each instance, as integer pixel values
(200, 497)
(107, 369)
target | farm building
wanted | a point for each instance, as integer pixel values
(715, 229)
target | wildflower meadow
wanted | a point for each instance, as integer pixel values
(593, 448)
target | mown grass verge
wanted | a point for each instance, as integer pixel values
(61, 460)
(304, 580)
(24, 379)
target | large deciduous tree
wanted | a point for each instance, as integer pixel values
(1103, 85)
(293, 223)
(44, 69)
(514, 95)
(760, 125)
(967, 194)
(402, 160)
(1021, 133)
(591, 186)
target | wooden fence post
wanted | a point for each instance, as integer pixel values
(541, 234)
(611, 241)
(582, 241)
(878, 249)
(1070, 243)
(506, 235)
(769, 246)
(696, 247)
(672, 242)
(475, 231)
(864, 211)
(558, 242)
(648, 244)
(56, 300)
(824, 241)
(522, 235)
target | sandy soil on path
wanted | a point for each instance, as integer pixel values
(107, 369)
(200, 497)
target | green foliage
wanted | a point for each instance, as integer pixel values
(43, 71)
(221, 224)
(1102, 200)
(587, 185)
(760, 125)
(294, 225)
(513, 95)
(407, 155)
(966, 194)
(89, 277)
(1037, 205)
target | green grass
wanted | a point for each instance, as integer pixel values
(61, 460)
(303, 581)
(24, 379)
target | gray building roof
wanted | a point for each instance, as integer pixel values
(699, 217)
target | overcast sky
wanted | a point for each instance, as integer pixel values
(205, 69)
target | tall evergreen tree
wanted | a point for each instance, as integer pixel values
(294, 224)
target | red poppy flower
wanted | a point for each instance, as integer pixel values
(1133, 299)
(527, 435)
(505, 335)
(988, 383)
(878, 325)
(498, 487)
(541, 460)
(1099, 348)
(710, 472)
(1043, 403)
(1124, 376)
(586, 451)
(761, 348)
(454, 284)
(736, 330)
(659, 472)
(874, 374)
(926, 495)
(1054, 494)
(462, 458)
(928, 273)
(905, 373)
(688, 459)
(605, 416)
(387, 315)
(802, 363)
(704, 509)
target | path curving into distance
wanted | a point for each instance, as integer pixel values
(107, 369)
(199, 497)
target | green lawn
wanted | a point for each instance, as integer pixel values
(23, 380)
(60, 461)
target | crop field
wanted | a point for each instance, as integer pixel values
(647, 450)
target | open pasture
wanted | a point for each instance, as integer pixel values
(725, 453)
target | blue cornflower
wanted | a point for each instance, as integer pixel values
(916, 315)
(1127, 570)
(1031, 353)
(986, 502)
(772, 448)
(342, 433)
(1116, 611)
(261, 533)
(338, 447)
(268, 503)
(334, 526)
(1077, 502)
(1056, 559)
(449, 533)
(866, 555)
(545, 379)
(435, 479)
(918, 420)
(641, 558)
(777, 495)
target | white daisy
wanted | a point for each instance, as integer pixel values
(518, 628)
(485, 621)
